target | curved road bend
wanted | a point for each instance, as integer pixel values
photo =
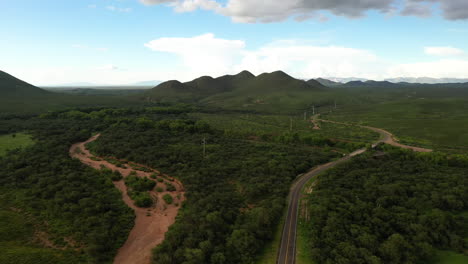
(287, 251)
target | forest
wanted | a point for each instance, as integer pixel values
(235, 193)
(388, 206)
(77, 207)
(396, 207)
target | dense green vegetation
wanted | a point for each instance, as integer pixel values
(19, 241)
(396, 208)
(400, 208)
(14, 141)
(138, 190)
(280, 127)
(435, 123)
(76, 202)
(235, 194)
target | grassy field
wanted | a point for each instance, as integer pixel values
(13, 141)
(450, 257)
(277, 124)
(441, 124)
(18, 243)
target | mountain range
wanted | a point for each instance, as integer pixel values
(419, 80)
(243, 88)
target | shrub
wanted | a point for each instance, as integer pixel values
(168, 198)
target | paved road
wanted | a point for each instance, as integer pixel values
(287, 251)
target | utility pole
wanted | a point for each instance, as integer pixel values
(305, 115)
(313, 109)
(204, 146)
(290, 126)
(335, 104)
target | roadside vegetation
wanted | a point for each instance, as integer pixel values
(235, 193)
(400, 207)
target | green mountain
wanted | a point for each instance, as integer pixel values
(12, 86)
(17, 96)
(243, 90)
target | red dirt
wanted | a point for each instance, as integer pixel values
(151, 224)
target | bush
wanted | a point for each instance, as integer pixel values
(116, 176)
(142, 199)
(170, 187)
(168, 198)
(139, 184)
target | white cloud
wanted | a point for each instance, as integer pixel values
(92, 6)
(443, 51)
(118, 9)
(434, 69)
(208, 55)
(202, 54)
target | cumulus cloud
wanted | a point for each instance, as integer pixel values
(204, 54)
(452, 9)
(252, 11)
(208, 55)
(453, 68)
(443, 51)
(417, 9)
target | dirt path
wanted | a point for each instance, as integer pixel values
(386, 137)
(151, 224)
(314, 120)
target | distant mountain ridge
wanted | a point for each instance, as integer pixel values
(244, 86)
(12, 86)
(427, 80)
(332, 81)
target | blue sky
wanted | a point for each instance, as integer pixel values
(51, 42)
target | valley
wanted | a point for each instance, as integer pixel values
(238, 144)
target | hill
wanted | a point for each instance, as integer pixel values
(12, 86)
(17, 96)
(243, 90)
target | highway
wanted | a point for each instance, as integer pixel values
(287, 250)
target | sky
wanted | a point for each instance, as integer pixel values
(55, 42)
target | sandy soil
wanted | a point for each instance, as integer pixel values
(151, 224)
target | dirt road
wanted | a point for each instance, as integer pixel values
(386, 137)
(151, 224)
